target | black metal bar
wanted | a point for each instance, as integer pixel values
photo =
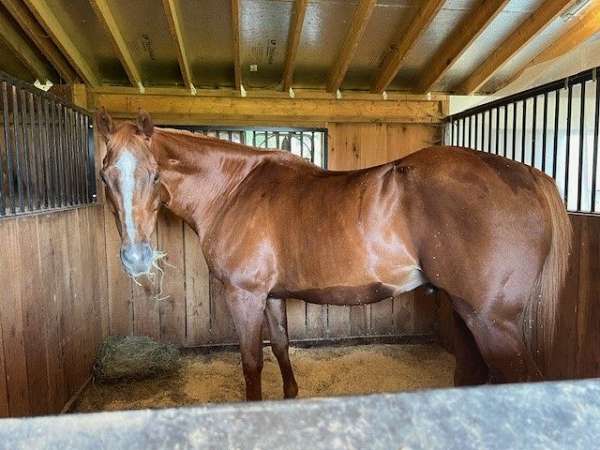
(45, 154)
(312, 145)
(476, 144)
(19, 169)
(253, 138)
(497, 131)
(83, 152)
(581, 146)
(523, 131)
(452, 132)
(505, 134)
(36, 155)
(514, 133)
(89, 130)
(61, 172)
(489, 149)
(9, 159)
(568, 149)
(544, 131)
(533, 131)
(27, 166)
(595, 149)
(556, 131)
(462, 128)
(58, 175)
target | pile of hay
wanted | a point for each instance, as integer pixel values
(134, 358)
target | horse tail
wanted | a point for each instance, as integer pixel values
(541, 311)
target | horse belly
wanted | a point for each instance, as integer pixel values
(355, 294)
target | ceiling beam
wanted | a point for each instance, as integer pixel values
(403, 43)
(235, 36)
(105, 16)
(174, 25)
(200, 109)
(461, 38)
(358, 25)
(11, 36)
(526, 31)
(584, 26)
(296, 23)
(46, 17)
(40, 38)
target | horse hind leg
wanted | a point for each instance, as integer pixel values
(276, 316)
(471, 369)
(499, 337)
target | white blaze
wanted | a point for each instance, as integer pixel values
(127, 164)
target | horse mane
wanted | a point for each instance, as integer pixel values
(279, 156)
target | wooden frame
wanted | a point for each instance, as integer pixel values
(46, 17)
(103, 12)
(235, 36)
(403, 43)
(174, 26)
(37, 34)
(360, 19)
(20, 47)
(534, 24)
(458, 42)
(296, 23)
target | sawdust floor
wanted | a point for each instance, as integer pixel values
(217, 377)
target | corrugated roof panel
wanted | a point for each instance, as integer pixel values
(389, 18)
(145, 30)
(264, 30)
(325, 25)
(526, 54)
(88, 34)
(515, 12)
(206, 29)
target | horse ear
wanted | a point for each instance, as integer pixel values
(144, 124)
(104, 123)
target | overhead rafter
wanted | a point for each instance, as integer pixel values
(105, 15)
(583, 27)
(174, 25)
(459, 41)
(296, 23)
(358, 25)
(533, 25)
(10, 34)
(40, 38)
(46, 17)
(403, 43)
(235, 34)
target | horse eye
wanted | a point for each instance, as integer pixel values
(156, 177)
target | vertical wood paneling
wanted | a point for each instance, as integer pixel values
(11, 316)
(197, 295)
(172, 310)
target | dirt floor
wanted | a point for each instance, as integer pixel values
(217, 377)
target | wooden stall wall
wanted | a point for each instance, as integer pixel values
(576, 352)
(53, 308)
(194, 312)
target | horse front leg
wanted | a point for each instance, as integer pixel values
(247, 311)
(276, 316)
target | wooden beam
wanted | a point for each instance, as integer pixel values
(358, 25)
(12, 37)
(533, 25)
(235, 36)
(584, 26)
(107, 19)
(40, 38)
(174, 25)
(296, 23)
(460, 39)
(46, 17)
(195, 109)
(300, 94)
(403, 43)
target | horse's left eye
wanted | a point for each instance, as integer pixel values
(156, 177)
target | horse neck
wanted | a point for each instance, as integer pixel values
(200, 174)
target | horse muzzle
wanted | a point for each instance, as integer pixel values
(137, 258)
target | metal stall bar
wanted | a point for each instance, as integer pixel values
(581, 146)
(595, 149)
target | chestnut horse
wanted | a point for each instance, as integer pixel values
(492, 233)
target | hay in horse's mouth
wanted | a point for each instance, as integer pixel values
(157, 256)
